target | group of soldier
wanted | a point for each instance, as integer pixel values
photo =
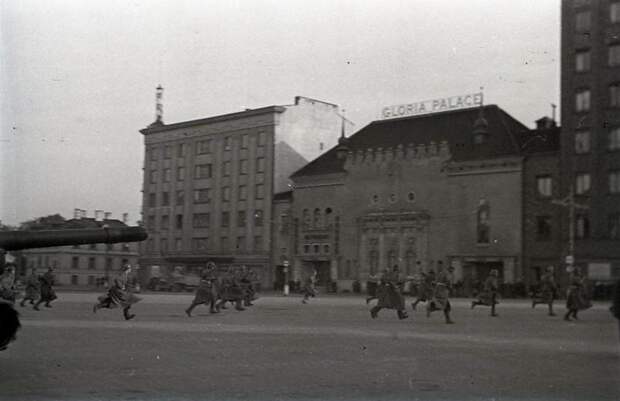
(38, 288)
(434, 290)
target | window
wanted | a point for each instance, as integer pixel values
(258, 218)
(483, 230)
(284, 222)
(613, 53)
(243, 192)
(582, 61)
(544, 185)
(411, 196)
(614, 95)
(391, 258)
(165, 199)
(180, 173)
(91, 280)
(154, 153)
(181, 150)
(306, 218)
(201, 220)
(260, 191)
(227, 143)
(316, 221)
(178, 244)
(244, 141)
(306, 248)
(74, 279)
(258, 243)
(583, 21)
(167, 152)
(543, 228)
(203, 147)
(614, 12)
(165, 222)
(243, 166)
(326, 248)
(375, 199)
(582, 142)
(262, 138)
(152, 200)
(373, 261)
(613, 142)
(199, 243)
(150, 222)
(613, 221)
(125, 247)
(582, 183)
(582, 227)
(240, 243)
(202, 195)
(202, 171)
(226, 169)
(225, 219)
(260, 164)
(109, 247)
(316, 248)
(108, 264)
(179, 222)
(149, 245)
(91, 264)
(614, 182)
(75, 263)
(225, 243)
(328, 218)
(153, 177)
(226, 194)
(163, 245)
(241, 218)
(582, 100)
(180, 197)
(92, 246)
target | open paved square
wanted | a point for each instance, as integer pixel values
(329, 349)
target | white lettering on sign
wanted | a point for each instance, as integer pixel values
(433, 106)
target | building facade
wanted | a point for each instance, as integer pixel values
(209, 184)
(412, 192)
(590, 142)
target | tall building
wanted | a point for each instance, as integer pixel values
(209, 183)
(590, 141)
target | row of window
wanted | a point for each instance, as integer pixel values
(203, 195)
(544, 184)
(582, 98)
(583, 141)
(583, 58)
(108, 247)
(583, 19)
(318, 219)
(317, 249)
(203, 220)
(202, 244)
(91, 263)
(203, 171)
(582, 227)
(205, 146)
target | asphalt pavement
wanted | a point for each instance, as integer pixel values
(329, 349)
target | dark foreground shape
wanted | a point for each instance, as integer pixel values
(9, 324)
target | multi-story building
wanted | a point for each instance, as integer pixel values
(414, 191)
(82, 266)
(209, 183)
(590, 141)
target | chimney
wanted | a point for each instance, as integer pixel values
(77, 213)
(98, 215)
(125, 217)
(107, 215)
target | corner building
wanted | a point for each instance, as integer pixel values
(209, 183)
(414, 191)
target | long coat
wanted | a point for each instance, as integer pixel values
(488, 295)
(577, 297)
(47, 292)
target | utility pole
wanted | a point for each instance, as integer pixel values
(569, 202)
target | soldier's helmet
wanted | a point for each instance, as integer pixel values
(210, 265)
(549, 269)
(494, 272)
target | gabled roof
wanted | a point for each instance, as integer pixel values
(455, 127)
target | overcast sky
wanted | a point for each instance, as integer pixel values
(78, 77)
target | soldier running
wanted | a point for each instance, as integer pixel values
(310, 287)
(247, 284)
(7, 285)
(230, 290)
(425, 288)
(489, 294)
(547, 292)
(33, 288)
(119, 295)
(389, 293)
(439, 301)
(47, 291)
(576, 297)
(206, 293)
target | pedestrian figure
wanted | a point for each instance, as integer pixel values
(390, 294)
(119, 295)
(425, 288)
(33, 288)
(231, 290)
(547, 292)
(247, 285)
(489, 294)
(206, 293)
(47, 290)
(440, 301)
(7, 284)
(310, 287)
(576, 297)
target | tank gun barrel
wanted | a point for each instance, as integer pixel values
(16, 240)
